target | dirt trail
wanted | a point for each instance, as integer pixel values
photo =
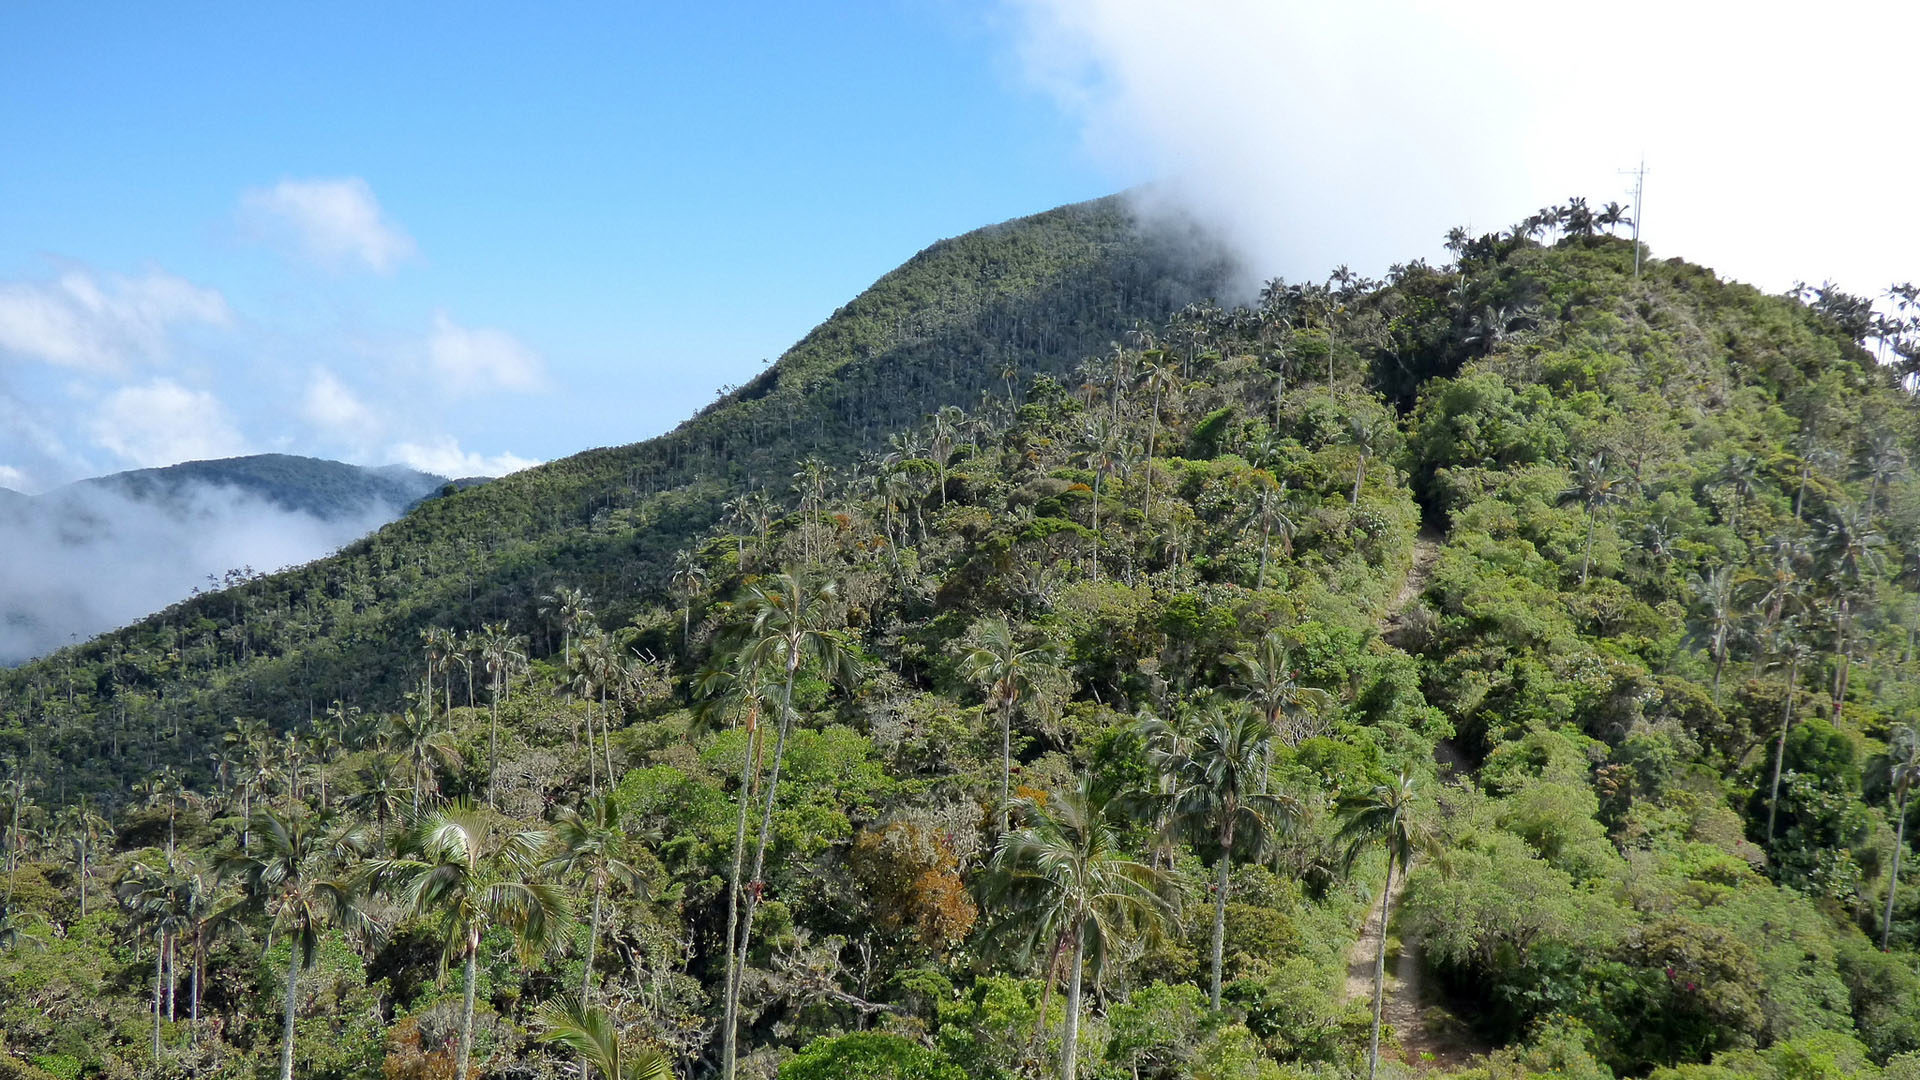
(1414, 1032)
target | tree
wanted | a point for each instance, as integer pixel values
(594, 846)
(1613, 216)
(573, 610)
(152, 898)
(1220, 794)
(1903, 775)
(1387, 814)
(473, 870)
(590, 1032)
(423, 745)
(1272, 513)
(499, 651)
(1160, 380)
(1850, 548)
(793, 621)
(1005, 671)
(686, 581)
(1717, 617)
(380, 795)
(1369, 436)
(1741, 476)
(81, 832)
(1595, 487)
(1268, 682)
(1064, 883)
(296, 882)
(1099, 452)
(1785, 644)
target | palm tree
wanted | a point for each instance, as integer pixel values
(1271, 512)
(793, 621)
(1161, 380)
(1267, 679)
(1220, 793)
(297, 882)
(1714, 593)
(1903, 773)
(438, 645)
(380, 795)
(81, 832)
(1612, 216)
(423, 745)
(473, 871)
(1386, 814)
(153, 902)
(1066, 885)
(1741, 476)
(1005, 671)
(1786, 644)
(573, 610)
(1595, 487)
(686, 581)
(593, 845)
(1850, 548)
(1369, 436)
(1099, 452)
(499, 649)
(590, 1032)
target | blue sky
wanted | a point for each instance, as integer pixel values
(615, 212)
(474, 236)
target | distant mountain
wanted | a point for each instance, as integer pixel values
(100, 552)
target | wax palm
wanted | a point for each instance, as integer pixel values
(81, 833)
(1716, 617)
(298, 882)
(1005, 671)
(1903, 775)
(1161, 381)
(573, 610)
(1294, 713)
(1272, 513)
(153, 899)
(1596, 486)
(794, 620)
(498, 650)
(1369, 436)
(1220, 794)
(1388, 815)
(1785, 645)
(1850, 548)
(472, 871)
(594, 846)
(1100, 453)
(382, 793)
(591, 1033)
(1740, 475)
(423, 745)
(1068, 889)
(686, 581)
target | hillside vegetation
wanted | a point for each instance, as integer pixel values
(1032, 674)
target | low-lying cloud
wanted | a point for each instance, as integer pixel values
(82, 560)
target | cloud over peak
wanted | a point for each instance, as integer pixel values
(442, 456)
(164, 423)
(336, 223)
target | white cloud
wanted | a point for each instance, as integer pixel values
(332, 407)
(14, 478)
(1314, 134)
(335, 223)
(78, 320)
(473, 360)
(162, 423)
(442, 456)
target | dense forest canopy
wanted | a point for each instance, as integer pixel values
(1503, 669)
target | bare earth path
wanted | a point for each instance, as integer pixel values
(1405, 1008)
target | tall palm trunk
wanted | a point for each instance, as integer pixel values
(1780, 750)
(1586, 557)
(159, 973)
(286, 1028)
(493, 739)
(1094, 569)
(465, 1054)
(1220, 904)
(593, 938)
(1843, 653)
(747, 762)
(1006, 759)
(1070, 1039)
(1359, 474)
(760, 848)
(1266, 539)
(1380, 968)
(606, 736)
(1893, 878)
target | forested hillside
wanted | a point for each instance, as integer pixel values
(1043, 672)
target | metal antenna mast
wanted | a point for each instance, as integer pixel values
(1639, 185)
